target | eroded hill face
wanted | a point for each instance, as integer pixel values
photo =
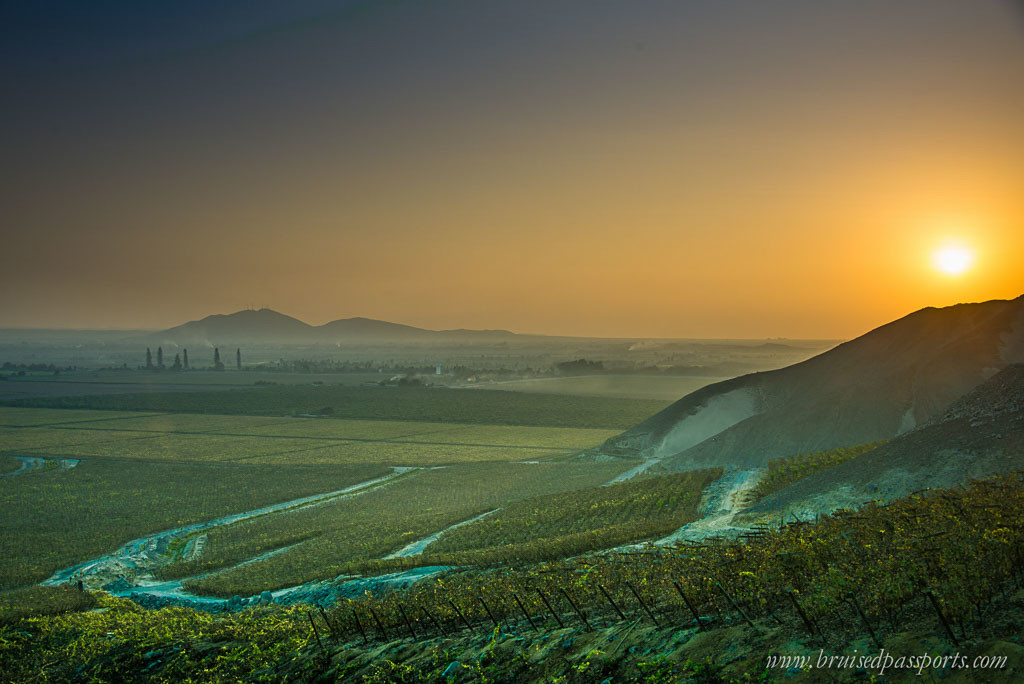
(981, 435)
(876, 387)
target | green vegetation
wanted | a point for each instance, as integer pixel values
(38, 600)
(661, 387)
(124, 639)
(336, 534)
(9, 464)
(783, 472)
(430, 404)
(55, 518)
(191, 468)
(263, 440)
(962, 545)
(21, 417)
(567, 523)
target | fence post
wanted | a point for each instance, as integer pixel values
(734, 604)
(360, 626)
(550, 609)
(608, 596)
(686, 600)
(942, 618)
(459, 613)
(406, 619)
(488, 609)
(643, 605)
(523, 608)
(582, 617)
(380, 625)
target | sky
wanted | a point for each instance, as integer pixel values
(655, 168)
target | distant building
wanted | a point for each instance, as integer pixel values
(437, 369)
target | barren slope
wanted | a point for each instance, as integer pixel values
(875, 387)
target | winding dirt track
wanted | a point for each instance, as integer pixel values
(134, 563)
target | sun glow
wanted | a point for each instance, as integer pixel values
(953, 259)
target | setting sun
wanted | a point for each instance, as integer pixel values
(953, 260)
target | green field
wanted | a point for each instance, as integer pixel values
(783, 472)
(55, 518)
(373, 525)
(656, 387)
(8, 464)
(255, 439)
(422, 404)
(145, 472)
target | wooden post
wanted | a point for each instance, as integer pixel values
(360, 626)
(942, 618)
(686, 600)
(642, 604)
(523, 608)
(380, 625)
(327, 622)
(489, 613)
(550, 609)
(430, 617)
(734, 604)
(316, 633)
(801, 613)
(459, 613)
(406, 619)
(608, 596)
(864, 619)
(582, 617)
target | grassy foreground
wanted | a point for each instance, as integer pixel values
(936, 574)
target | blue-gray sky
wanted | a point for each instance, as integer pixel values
(657, 168)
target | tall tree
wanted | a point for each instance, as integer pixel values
(238, 358)
(217, 365)
(185, 352)
(149, 358)
(177, 362)
(160, 357)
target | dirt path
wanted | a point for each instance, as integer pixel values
(131, 567)
(722, 500)
(31, 464)
(417, 547)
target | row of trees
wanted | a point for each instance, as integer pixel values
(181, 360)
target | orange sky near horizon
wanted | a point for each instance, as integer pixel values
(739, 172)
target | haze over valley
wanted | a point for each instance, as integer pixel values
(450, 342)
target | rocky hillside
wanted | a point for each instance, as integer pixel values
(982, 434)
(875, 387)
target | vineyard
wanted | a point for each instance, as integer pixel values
(188, 468)
(336, 534)
(264, 440)
(57, 518)
(937, 572)
(783, 472)
(8, 464)
(420, 404)
(948, 554)
(565, 524)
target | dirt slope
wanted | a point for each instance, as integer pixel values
(980, 435)
(875, 387)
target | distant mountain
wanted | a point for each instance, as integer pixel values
(875, 387)
(347, 328)
(981, 435)
(269, 326)
(264, 324)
